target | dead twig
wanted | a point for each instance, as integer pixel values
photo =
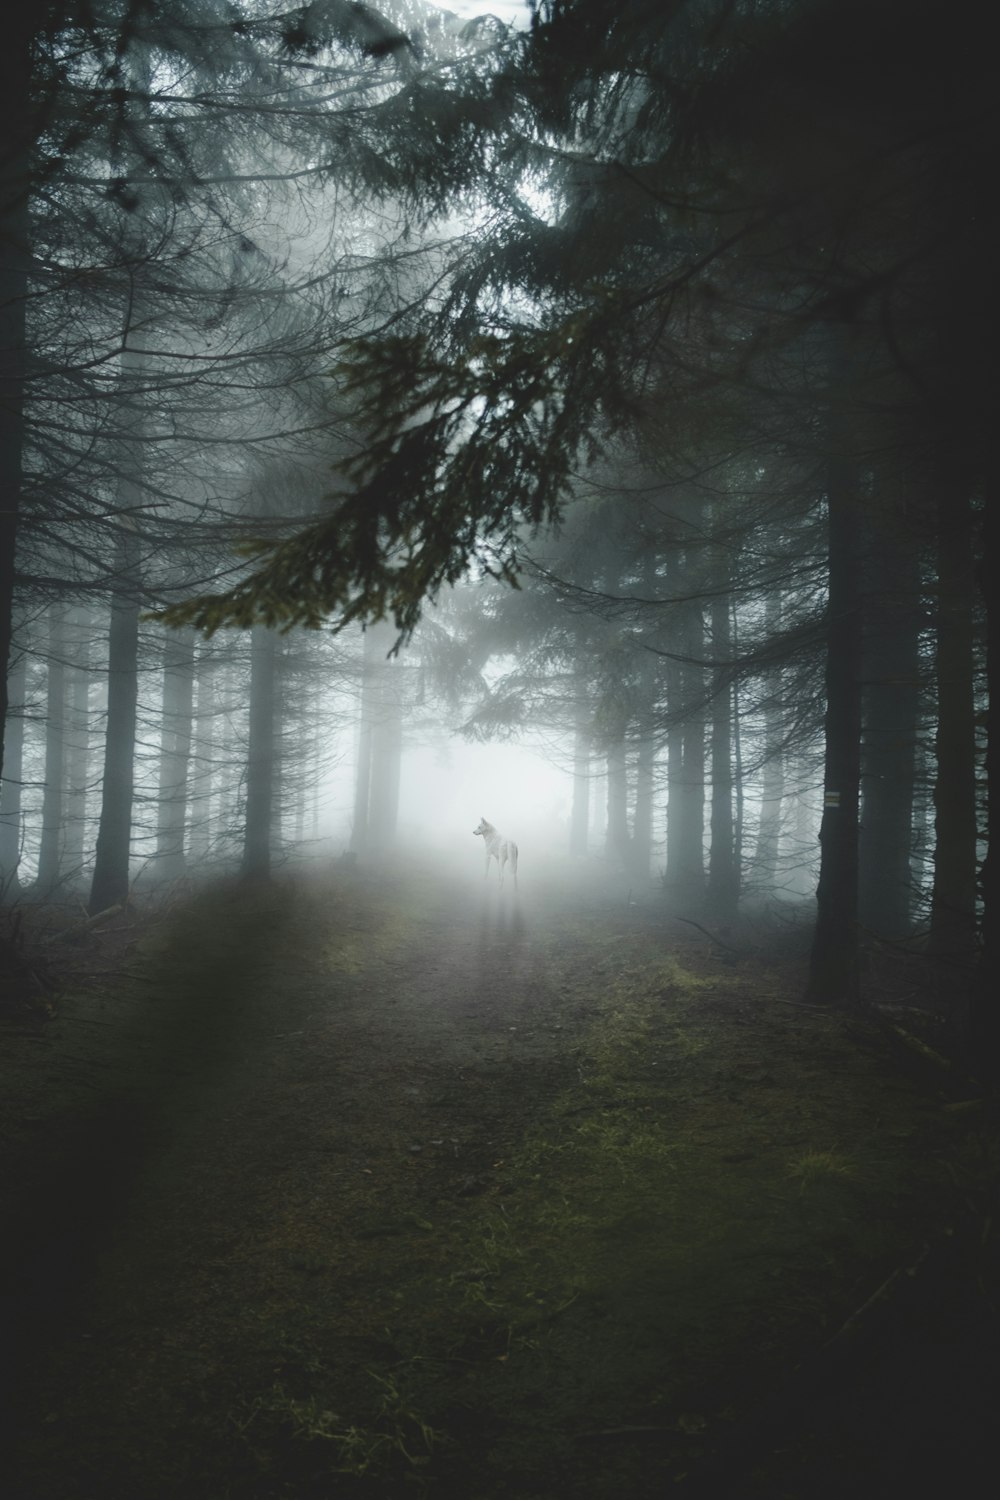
(77, 929)
(739, 952)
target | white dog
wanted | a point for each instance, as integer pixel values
(498, 848)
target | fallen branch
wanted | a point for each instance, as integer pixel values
(916, 1045)
(77, 929)
(739, 952)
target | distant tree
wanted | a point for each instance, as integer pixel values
(50, 854)
(380, 744)
(954, 898)
(723, 891)
(261, 755)
(110, 882)
(177, 697)
(11, 827)
(893, 619)
(745, 205)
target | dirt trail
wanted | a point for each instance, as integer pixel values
(331, 1052)
(380, 1182)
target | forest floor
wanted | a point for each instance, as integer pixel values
(393, 1184)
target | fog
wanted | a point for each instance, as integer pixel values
(445, 791)
(578, 416)
(308, 344)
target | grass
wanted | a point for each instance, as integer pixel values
(650, 1233)
(696, 1186)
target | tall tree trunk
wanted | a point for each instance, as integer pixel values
(50, 850)
(387, 754)
(691, 808)
(226, 806)
(114, 835)
(77, 742)
(617, 841)
(362, 781)
(740, 793)
(202, 760)
(768, 845)
(175, 752)
(953, 903)
(256, 861)
(673, 871)
(645, 763)
(646, 713)
(685, 867)
(833, 963)
(984, 1020)
(580, 814)
(804, 832)
(583, 730)
(16, 115)
(723, 876)
(890, 706)
(642, 818)
(380, 741)
(766, 850)
(10, 787)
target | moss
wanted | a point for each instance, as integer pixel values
(429, 1242)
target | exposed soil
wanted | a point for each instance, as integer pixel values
(392, 1184)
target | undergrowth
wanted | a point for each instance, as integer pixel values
(696, 1184)
(701, 1207)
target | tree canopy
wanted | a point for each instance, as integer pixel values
(656, 214)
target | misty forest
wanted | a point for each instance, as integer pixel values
(498, 918)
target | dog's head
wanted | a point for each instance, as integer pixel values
(483, 829)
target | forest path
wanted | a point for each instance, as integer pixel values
(395, 1183)
(312, 1061)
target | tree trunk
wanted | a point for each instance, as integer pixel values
(10, 788)
(890, 704)
(833, 964)
(582, 736)
(617, 841)
(202, 761)
(984, 1020)
(380, 743)
(175, 752)
(50, 851)
(645, 768)
(723, 876)
(953, 903)
(691, 800)
(114, 835)
(642, 820)
(226, 810)
(685, 864)
(765, 862)
(387, 755)
(803, 834)
(77, 743)
(256, 863)
(15, 180)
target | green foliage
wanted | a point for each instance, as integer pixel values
(394, 1430)
(671, 285)
(455, 466)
